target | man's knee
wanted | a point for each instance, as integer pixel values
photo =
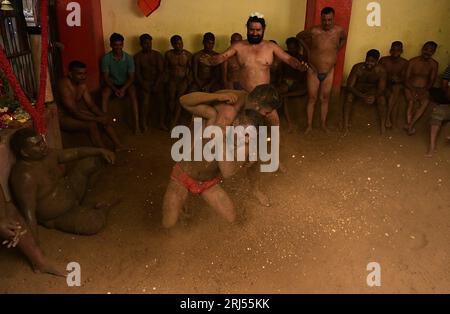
(312, 98)
(324, 98)
(95, 222)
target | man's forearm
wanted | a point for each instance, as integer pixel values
(74, 154)
(197, 98)
(216, 60)
(110, 83)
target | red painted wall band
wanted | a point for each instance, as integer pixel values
(85, 42)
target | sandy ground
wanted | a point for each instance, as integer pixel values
(344, 203)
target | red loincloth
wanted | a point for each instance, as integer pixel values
(193, 186)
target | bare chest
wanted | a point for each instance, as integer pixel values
(394, 67)
(255, 57)
(421, 68)
(325, 39)
(179, 60)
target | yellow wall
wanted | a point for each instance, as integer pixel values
(412, 21)
(192, 18)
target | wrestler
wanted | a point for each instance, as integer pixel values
(395, 67)
(256, 56)
(321, 45)
(367, 83)
(420, 77)
(118, 75)
(231, 68)
(206, 78)
(78, 112)
(203, 178)
(441, 111)
(224, 106)
(292, 82)
(178, 63)
(149, 78)
(45, 195)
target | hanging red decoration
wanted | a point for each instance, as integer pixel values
(148, 6)
(37, 112)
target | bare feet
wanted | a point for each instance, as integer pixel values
(325, 129)
(346, 131)
(262, 198)
(430, 153)
(308, 130)
(388, 124)
(48, 267)
(411, 131)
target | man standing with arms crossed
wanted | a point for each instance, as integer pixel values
(321, 44)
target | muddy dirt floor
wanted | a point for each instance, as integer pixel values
(345, 202)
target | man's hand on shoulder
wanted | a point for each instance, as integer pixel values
(227, 98)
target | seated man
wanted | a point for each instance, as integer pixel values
(77, 110)
(395, 67)
(15, 232)
(206, 78)
(44, 195)
(224, 106)
(420, 77)
(178, 64)
(441, 112)
(367, 82)
(293, 82)
(231, 68)
(118, 75)
(149, 78)
(203, 178)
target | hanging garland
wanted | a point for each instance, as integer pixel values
(37, 112)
